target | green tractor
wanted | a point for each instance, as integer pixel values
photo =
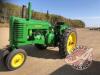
(25, 31)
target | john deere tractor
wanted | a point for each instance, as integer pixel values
(25, 31)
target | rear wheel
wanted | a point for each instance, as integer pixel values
(15, 59)
(67, 42)
(41, 47)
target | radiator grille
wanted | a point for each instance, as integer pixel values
(18, 30)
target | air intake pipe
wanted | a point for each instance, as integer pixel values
(29, 11)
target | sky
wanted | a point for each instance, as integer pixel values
(85, 10)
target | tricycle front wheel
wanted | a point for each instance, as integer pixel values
(15, 59)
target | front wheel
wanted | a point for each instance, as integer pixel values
(67, 42)
(15, 59)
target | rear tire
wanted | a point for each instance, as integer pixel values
(63, 49)
(15, 59)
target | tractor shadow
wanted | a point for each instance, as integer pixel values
(94, 69)
(32, 51)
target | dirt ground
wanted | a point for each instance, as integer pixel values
(47, 62)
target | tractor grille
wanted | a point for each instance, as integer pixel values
(18, 31)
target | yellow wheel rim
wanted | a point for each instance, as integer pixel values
(17, 60)
(71, 42)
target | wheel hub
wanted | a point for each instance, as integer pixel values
(17, 60)
(71, 43)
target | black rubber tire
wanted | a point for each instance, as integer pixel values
(40, 47)
(11, 55)
(63, 41)
(4, 56)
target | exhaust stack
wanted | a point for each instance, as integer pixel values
(24, 11)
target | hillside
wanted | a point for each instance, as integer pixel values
(7, 10)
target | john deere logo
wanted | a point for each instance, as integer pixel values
(37, 26)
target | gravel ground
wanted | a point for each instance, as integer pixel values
(47, 62)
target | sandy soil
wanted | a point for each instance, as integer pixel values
(4, 37)
(47, 62)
